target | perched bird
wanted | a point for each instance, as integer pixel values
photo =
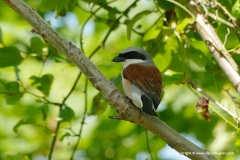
(142, 81)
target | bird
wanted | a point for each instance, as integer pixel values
(141, 79)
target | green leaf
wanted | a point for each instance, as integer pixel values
(99, 104)
(13, 87)
(165, 5)
(61, 7)
(44, 114)
(163, 60)
(37, 45)
(100, 2)
(23, 122)
(197, 57)
(1, 40)
(238, 140)
(14, 94)
(67, 134)
(13, 99)
(185, 22)
(180, 12)
(236, 9)
(172, 79)
(48, 5)
(66, 114)
(43, 83)
(131, 22)
(46, 82)
(154, 31)
(174, 65)
(10, 56)
(15, 157)
(224, 115)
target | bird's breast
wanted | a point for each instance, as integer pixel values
(132, 92)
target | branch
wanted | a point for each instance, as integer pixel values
(225, 109)
(215, 46)
(126, 110)
(83, 120)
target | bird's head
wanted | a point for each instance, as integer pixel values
(134, 55)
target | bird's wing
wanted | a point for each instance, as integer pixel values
(147, 78)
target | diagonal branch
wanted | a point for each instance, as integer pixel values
(126, 110)
(215, 46)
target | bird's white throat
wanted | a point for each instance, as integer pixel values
(131, 61)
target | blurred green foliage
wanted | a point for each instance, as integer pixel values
(41, 91)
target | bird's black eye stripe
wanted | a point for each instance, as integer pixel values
(132, 55)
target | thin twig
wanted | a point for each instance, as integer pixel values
(73, 87)
(226, 36)
(219, 52)
(82, 122)
(115, 23)
(229, 16)
(214, 101)
(83, 27)
(91, 55)
(59, 122)
(219, 19)
(84, 24)
(148, 144)
(54, 137)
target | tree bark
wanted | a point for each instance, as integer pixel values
(215, 46)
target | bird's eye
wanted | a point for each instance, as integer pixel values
(132, 55)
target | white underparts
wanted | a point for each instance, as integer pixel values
(131, 61)
(133, 93)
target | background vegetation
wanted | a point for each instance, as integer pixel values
(49, 109)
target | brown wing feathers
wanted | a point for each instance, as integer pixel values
(147, 78)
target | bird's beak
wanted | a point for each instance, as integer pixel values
(118, 59)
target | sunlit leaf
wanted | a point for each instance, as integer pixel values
(199, 45)
(185, 22)
(236, 9)
(163, 60)
(67, 134)
(22, 122)
(172, 79)
(10, 56)
(130, 23)
(224, 115)
(154, 31)
(238, 140)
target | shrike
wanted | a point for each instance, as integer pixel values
(142, 81)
